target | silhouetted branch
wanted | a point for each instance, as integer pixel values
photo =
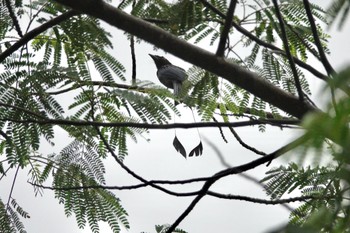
(317, 40)
(267, 202)
(245, 145)
(232, 171)
(33, 33)
(225, 31)
(265, 44)
(14, 18)
(287, 51)
(79, 123)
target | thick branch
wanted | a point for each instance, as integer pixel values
(232, 72)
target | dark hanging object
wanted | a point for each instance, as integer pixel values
(198, 150)
(179, 147)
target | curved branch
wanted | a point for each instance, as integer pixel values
(231, 171)
(235, 74)
(33, 33)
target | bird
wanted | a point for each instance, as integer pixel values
(173, 77)
(169, 75)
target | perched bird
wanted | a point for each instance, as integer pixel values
(169, 75)
(172, 77)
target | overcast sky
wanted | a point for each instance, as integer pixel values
(158, 159)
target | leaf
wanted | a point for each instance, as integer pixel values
(198, 150)
(179, 147)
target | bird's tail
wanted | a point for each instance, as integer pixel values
(177, 90)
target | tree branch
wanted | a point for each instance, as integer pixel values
(33, 33)
(323, 56)
(14, 18)
(265, 44)
(79, 123)
(225, 31)
(266, 202)
(287, 51)
(232, 72)
(231, 171)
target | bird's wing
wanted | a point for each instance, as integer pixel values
(174, 73)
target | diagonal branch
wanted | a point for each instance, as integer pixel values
(265, 44)
(33, 33)
(14, 18)
(234, 73)
(232, 171)
(287, 50)
(225, 31)
(323, 57)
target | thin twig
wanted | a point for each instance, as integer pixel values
(245, 145)
(226, 30)
(133, 60)
(317, 40)
(287, 50)
(267, 202)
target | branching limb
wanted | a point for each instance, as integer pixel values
(232, 171)
(287, 51)
(265, 44)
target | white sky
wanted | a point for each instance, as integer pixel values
(158, 160)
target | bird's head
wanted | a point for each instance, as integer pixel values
(159, 60)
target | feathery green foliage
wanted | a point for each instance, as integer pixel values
(71, 72)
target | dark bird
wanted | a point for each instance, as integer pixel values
(169, 75)
(172, 77)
